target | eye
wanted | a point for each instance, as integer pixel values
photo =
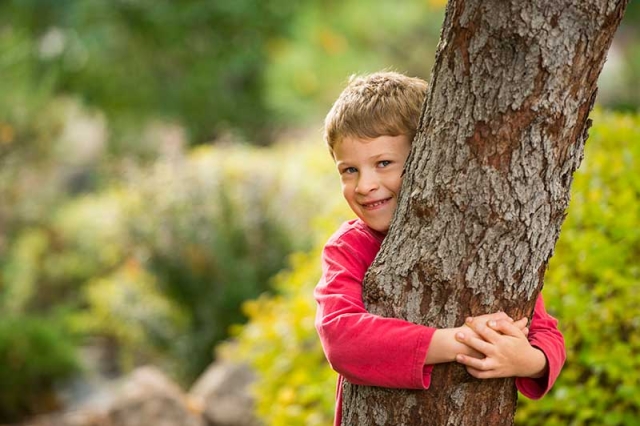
(384, 163)
(349, 170)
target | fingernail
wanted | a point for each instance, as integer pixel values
(469, 319)
(492, 323)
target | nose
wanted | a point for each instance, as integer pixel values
(367, 182)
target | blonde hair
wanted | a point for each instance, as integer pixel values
(380, 104)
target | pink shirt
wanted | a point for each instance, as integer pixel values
(371, 350)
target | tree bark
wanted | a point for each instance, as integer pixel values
(486, 188)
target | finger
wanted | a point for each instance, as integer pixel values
(478, 345)
(473, 363)
(484, 330)
(488, 317)
(474, 354)
(482, 374)
(475, 373)
(469, 351)
(506, 328)
(500, 315)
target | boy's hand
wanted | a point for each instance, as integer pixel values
(468, 331)
(505, 350)
(501, 319)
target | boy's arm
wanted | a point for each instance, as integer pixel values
(545, 336)
(368, 349)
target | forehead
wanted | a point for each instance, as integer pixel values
(354, 148)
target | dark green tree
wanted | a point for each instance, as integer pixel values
(197, 62)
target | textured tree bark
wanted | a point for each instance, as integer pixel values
(486, 188)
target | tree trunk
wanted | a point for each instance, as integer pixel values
(486, 188)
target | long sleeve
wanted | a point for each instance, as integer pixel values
(544, 335)
(365, 349)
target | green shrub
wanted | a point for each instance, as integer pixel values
(215, 228)
(204, 233)
(590, 287)
(142, 322)
(35, 354)
(296, 386)
(161, 261)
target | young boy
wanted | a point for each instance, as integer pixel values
(369, 132)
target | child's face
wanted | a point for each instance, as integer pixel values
(371, 175)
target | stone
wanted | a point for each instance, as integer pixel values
(222, 393)
(148, 397)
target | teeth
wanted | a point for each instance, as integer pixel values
(376, 204)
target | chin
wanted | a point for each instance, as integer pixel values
(376, 224)
(379, 228)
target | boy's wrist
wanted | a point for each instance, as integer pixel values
(539, 364)
(444, 347)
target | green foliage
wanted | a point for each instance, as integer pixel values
(161, 262)
(37, 350)
(128, 307)
(331, 40)
(20, 272)
(48, 262)
(198, 62)
(296, 386)
(590, 287)
(244, 66)
(35, 353)
(211, 242)
(220, 228)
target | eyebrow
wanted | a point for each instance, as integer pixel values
(373, 157)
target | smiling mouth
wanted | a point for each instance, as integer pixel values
(375, 204)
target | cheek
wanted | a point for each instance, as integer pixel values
(346, 190)
(396, 184)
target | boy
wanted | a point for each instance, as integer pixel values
(369, 132)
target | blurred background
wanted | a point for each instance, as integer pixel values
(165, 192)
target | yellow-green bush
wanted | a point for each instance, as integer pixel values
(296, 386)
(128, 307)
(160, 261)
(591, 287)
(216, 226)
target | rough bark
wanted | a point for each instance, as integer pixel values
(486, 188)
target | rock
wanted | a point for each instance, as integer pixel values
(222, 392)
(148, 397)
(73, 418)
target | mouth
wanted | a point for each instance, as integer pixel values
(375, 204)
